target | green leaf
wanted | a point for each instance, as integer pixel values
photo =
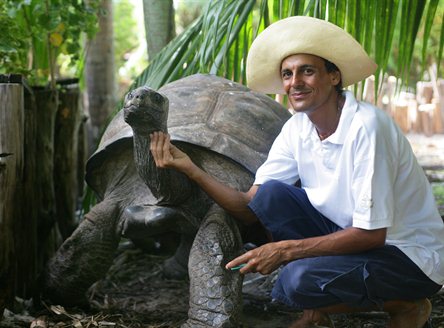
(431, 10)
(219, 41)
(441, 45)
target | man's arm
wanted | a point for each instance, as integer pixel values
(166, 155)
(269, 257)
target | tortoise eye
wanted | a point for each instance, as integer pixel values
(158, 97)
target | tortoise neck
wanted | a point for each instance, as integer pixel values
(163, 183)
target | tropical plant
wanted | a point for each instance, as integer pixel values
(187, 11)
(219, 40)
(125, 31)
(12, 43)
(38, 31)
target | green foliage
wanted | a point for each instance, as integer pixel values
(187, 12)
(219, 40)
(438, 192)
(12, 44)
(204, 45)
(41, 30)
(125, 31)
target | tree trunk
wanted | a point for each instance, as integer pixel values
(65, 157)
(11, 169)
(100, 75)
(159, 24)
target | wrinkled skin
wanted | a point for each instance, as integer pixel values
(87, 254)
(227, 130)
(215, 293)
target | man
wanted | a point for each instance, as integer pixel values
(363, 232)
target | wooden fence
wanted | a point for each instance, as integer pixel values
(421, 112)
(39, 154)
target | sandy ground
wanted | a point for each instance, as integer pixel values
(428, 150)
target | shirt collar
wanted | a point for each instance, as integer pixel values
(348, 112)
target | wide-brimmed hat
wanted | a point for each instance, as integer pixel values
(304, 35)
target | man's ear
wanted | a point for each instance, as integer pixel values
(335, 77)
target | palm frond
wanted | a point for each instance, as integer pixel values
(431, 11)
(219, 40)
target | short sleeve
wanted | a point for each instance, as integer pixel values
(281, 163)
(373, 180)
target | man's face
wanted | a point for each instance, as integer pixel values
(307, 82)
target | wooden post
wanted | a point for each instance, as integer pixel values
(82, 155)
(46, 101)
(438, 123)
(426, 112)
(440, 97)
(11, 169)
(401, 116)
(65, 156)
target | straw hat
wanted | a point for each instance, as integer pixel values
(304, 35)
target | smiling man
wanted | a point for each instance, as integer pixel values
(362, 232)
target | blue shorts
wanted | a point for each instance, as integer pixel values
(361, 280)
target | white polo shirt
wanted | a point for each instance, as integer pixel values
(364, 175)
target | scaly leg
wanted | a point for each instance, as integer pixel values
(215, 293)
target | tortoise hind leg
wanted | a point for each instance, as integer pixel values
(215, 293)
(83, 258)
(142, 221)
(176, 266)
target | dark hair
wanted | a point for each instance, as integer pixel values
(330, 67)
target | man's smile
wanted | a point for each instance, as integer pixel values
(299, 94)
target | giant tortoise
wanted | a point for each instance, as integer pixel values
(227, 130)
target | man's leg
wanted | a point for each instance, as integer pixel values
(360, 282)
(286, 212)
(383, 279)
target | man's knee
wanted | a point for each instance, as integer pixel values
(298, 286)
(300, 277)
(276, 191)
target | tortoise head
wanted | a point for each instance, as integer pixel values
(146, 110)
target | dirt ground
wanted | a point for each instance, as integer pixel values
(135, 294)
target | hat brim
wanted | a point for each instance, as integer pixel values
(304, 35)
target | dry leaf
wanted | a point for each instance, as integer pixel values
(58, 309)
(39, 322)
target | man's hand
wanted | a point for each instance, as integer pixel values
(269, 257)
(264, 259)
(166, 155)
(233, 201)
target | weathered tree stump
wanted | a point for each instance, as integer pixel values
(400, 115)
(38, 157)
(46, 101)
(66, 132)
(11, 168)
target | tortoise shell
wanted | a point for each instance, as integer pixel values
(208, 111)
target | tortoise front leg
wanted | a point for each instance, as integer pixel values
(215, 293)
